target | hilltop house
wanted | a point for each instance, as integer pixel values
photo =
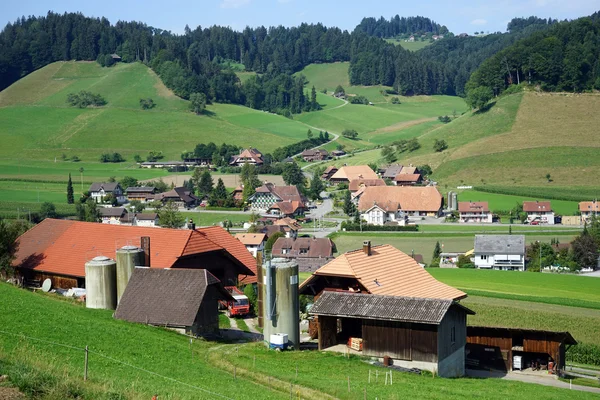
(247, 156)
(350, 173)
(254, 242)
(587, 209)
(380, 205)
(500, 252)
(539, 212)
(474, 211)
(180, 196)
(310, 253)
(142, 193)
(267, 195)
(99, 190)
(315, 155)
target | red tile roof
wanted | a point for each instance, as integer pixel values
(406, 198)
(356, 184)
(473, 206)
(589, 206)
(537, 206)
(63, 247)
(407, 177)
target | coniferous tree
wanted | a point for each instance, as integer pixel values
(219, 194)
(70, 196)
(437, 250)
(349, 208)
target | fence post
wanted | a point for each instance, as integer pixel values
(85, 368)
(369, 376)
(291, 391)
(254, 362)
(365, 392)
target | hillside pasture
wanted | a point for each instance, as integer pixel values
(412, 46)
(503, 202)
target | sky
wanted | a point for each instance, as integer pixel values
(458, 15)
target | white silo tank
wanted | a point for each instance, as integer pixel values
(128, 257)
(101, 283)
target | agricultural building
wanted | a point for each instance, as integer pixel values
(422, 333)
(381, 205)
(474, 211)
(352, 172)
(328, 173)
(357, 184)
(408, 179)
(247, 156)
(180, 299)
(500, 252)
(59, 249)
(497, 348)
(150, 220)
(310, 253)
(141, 193)
(180, 196)
(315, 155)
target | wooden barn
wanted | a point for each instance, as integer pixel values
(496, 348)
(428, 334)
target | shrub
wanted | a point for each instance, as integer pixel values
(440, 145)
(445, 119)
(350, 133)
(252, 298)
(359, 100)
(395, 100)
(351, 226)
(85, 99)
(147, 104)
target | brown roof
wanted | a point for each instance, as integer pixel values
(330, 169)
(252, 154)
(63, 247)
(418, 258)
(473, 206)
(401, 177)
(352, 172)
(314, 152)
(317, 247)
(391, 171)
(146, 216)
(537, 206)
(269, 230)
(289, 222)
(356, 184)
(250, 239)
(408, 170)
(407, 198)
(586, 206)
(282, 193)
(108, 187)
(387, 271)
(166, 297)
(112, 211)
(178, 193)
(389, 308)
(287, 207)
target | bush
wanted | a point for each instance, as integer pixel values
(350, 134)
(147, 104)
(112, 158)
(440, 145)
(85, 99)
(252, 298)
(359, 100)
(584, 354)
(445, 119)
(395, 100)
(351, 226)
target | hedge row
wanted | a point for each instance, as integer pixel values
(584, 354)
(351, 226)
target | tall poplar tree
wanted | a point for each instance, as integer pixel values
(70, 197)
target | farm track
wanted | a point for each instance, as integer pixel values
(217, 359)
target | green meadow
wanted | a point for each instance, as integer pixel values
(412, 46)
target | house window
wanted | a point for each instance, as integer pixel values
(484, 257)
(453, 335)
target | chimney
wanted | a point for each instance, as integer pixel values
(367, 247)
(191, 225)
(145, 244)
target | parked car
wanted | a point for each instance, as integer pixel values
(535, 222)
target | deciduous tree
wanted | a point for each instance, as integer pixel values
(197, 103)
(170, 217)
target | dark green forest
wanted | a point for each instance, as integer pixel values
(558, 55)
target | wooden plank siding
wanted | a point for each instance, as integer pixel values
(384, 338)
(327, 332)
(448, 341)
(58, 281)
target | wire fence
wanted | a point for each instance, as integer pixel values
(204, 390)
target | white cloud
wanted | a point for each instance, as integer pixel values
(234, 3)
(479, 21)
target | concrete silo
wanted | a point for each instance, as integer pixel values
(101, 283)
(281, 307)
(128, 257)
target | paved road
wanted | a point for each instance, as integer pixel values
(540, 380)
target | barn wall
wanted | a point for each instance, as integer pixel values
(58, 281)
(491, 346)
(401, 341)
(455, 318)
(215, 262)
(327, 332)
(424, 343)
(207, 319)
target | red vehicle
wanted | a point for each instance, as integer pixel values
(238, 307)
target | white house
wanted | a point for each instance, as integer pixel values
(589, 209)
(114, 215)
(474, 211)
(500, 252)
(539, 212)
(99, 190)
(254, 242)
(149, 220)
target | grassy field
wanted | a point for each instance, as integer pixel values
(425, 243)
(508, 202)
(210, 219)
(412, 46)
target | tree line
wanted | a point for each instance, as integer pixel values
(399, 25)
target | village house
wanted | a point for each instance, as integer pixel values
(357, 184)
(352, 172)
(268, 194)
(500, 252)
(380, 205)
(538, 212)
(180, 196)
(185, 300)
(114, 215)
(328, 173)
(238, 194)
(247, 156)
(474, 211)
(149, 220)
(587, 209)
(315, 155)
(141, 193)
(390, 171)
(59, 249)
(289, 225)
(254, 242)
(287, 208)
(310, 253)
(408, 179)
(99, 190)
(338, 153)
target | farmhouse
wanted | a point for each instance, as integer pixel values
(587, 209)
(142, 193)
(114, 215)
(99, 190)
(268, 194)
(185, 300)
(349, 173)
(180, 196)
(328, 173)
(500, 252)
(408, 179)
(247, 156)
(380, 205)
(338, 153)
(539, 212)
(356, 184)
(474, 211)
(310, 253)
(289, 225)
(287, 208)
(422, 333)
(254, 242)
(59, 249)
(315, 155)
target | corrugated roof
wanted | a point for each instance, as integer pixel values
(352, 172)
(387, 271)
(140, 189)
(537, 206)
(391, 171)
(499, 244)
(406, 198)
(378, 307)
(167, 297)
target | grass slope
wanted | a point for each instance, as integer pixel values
(412, 46)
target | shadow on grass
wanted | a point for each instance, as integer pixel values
(485, 108)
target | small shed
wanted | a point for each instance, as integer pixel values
(422, 333)
(185, 300)
(496, 348)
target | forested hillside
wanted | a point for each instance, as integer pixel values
(399, 25)
(565, 57)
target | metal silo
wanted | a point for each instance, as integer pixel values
(101, 283)
(454, 201)
(449, 203)
(128, 257)
(281, 308)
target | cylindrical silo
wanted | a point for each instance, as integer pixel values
(281, 308)
(101, 283)
(450, 206)
(128, 257)
(454, 201)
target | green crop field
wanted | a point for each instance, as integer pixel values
(425, 243)
(507, 202)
